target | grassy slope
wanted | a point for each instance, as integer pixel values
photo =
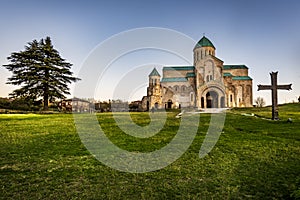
(42, 157)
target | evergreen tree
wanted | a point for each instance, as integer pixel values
(40, 71)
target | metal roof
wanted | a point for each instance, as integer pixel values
(204, 42)
(227, 74)
(179, 68)
(241, 78)
(174, 79)
(190, 74)
(235, 67)
(154, 73)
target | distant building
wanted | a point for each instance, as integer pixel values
(119, 106)
(207, 84)
(75, 105)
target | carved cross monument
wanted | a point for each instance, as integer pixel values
(274, 87)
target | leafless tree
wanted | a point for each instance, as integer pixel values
(260, 102)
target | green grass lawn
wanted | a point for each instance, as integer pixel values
(42, 157)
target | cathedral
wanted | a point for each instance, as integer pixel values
(207, 84)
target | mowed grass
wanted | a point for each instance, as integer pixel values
(42, 157)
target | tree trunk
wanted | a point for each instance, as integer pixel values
(46, 98)
(46, 90)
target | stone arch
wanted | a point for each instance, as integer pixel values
(212, 97)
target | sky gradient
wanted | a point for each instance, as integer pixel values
(264, 35)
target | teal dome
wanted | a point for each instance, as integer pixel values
(204, 42)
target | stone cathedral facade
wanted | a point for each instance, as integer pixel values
(207, 84)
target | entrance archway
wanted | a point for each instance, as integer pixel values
(169, 105)
(202, 102)
(212, 99)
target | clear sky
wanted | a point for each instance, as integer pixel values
(262, 34)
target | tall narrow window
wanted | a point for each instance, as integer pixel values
(231, 98)
(176, 88)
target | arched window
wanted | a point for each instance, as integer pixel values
(176, 88)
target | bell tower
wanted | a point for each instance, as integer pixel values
(154, 90)
(208, 70)
(202, 49)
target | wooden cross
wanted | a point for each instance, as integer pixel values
(274, 87)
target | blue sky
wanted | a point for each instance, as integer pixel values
(264, 35)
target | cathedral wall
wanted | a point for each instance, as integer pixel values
(204, 86)
(242, 93)
(175, 73)
(181, 94)
(237, 72)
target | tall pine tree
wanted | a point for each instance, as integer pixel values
(40, 71)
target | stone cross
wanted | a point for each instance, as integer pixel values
(274, 87)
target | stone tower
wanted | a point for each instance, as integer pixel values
(209, 75)
(154, 90)
(203, 48)
(205, 61)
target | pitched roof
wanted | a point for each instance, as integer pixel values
(174, 79)
(154, 73)
(241, 78)
(235, 67)
(179, 68)
(204, 42)
(227, 74)
(190, 74)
